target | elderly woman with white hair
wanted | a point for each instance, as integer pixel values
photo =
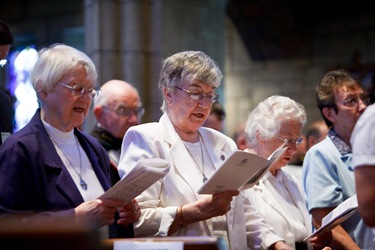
(277, 122)
(51, 173)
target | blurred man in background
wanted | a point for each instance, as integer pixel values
(116, 109)
(216, 118)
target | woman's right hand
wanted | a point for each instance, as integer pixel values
(97, 213)
(217, 204)
(203, 209)
(210, 206)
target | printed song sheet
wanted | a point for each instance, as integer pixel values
(142, 176)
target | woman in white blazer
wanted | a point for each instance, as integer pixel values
(278, 196)
(172, 206)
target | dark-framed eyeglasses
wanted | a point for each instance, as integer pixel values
(290, 142)
(199, 96)
(126, 112)
(80, 91)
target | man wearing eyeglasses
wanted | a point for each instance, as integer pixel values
(328, 175)
(6, 113)
(116, 109)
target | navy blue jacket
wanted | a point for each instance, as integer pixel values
(33, 177)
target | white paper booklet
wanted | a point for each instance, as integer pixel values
(338, 215)
(142, 176)
(240, 171)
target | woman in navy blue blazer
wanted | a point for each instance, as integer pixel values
(50, 169)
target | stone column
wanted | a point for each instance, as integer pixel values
(123, 38)
(127, 39)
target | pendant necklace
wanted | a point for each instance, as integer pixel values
(200, 169)
(81, 181)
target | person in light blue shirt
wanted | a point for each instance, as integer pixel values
(328, 176)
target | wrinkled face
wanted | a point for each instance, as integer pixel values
(187, 114)
(61, 108)
(123, 111)
(290, 131)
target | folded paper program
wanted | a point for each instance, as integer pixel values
(338, 215)
(242, 170)
(134, 182)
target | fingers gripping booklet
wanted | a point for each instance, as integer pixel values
(338, 215)
(135, 181)
(240, 171)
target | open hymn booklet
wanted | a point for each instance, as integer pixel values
(338, 215)
(142, 176)
(242, 170)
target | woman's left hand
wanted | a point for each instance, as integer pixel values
(129, 213)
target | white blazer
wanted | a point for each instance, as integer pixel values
(246, 229)
(265, 197)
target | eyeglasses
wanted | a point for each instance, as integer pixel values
(3, 62)
(125, 112)
(80, 91)
(290, 142)
(354, 101)
(199, 96)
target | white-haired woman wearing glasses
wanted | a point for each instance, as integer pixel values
(277, 122)
(172, 206)
(51, 172)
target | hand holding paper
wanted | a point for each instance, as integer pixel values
(338, 215)
(142, 176)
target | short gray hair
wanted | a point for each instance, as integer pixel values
(189, 66)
